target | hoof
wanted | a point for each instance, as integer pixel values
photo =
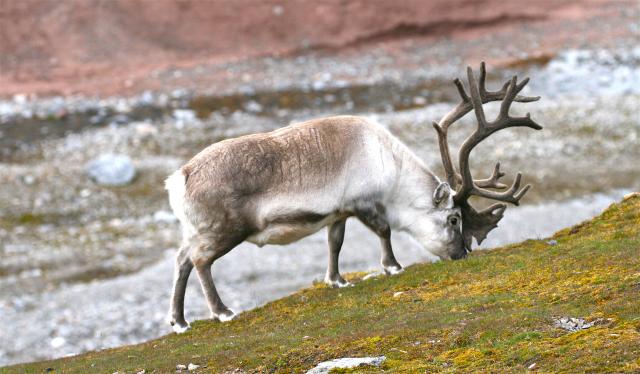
(179, 328)
(393, 270)
(224, 316)
(338, 283)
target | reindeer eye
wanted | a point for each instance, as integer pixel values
(454, 220)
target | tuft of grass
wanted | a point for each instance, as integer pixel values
(491, 313)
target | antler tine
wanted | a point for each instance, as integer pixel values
(494, 209)
(461, 91)
(481, 80)
(508, 99)
(445, 155)
(492, 181)
(476, 99)
(512, 195)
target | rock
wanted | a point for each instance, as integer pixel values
(374, 274)
(397, 294)
(346, 363)
(253, 106)
(277, 10)
(145, 130)
(120, 119)
(532, 366)
(29, 179)
(57, 342)
(111, 170)
(552, 242)
(192, 367)
(163, 216)
(181, 367)
(185, 115)
(419, 100)
(573, 324)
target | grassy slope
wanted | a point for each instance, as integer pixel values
(491, 312)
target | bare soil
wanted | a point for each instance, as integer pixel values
(126, 47)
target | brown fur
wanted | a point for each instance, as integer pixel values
(300, 156)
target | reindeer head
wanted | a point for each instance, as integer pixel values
(477, 224)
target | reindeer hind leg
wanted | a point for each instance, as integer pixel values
(182, 270)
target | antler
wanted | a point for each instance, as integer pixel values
(479, 224)
(464, 107)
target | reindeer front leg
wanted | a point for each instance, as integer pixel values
(336, 237)
(373, 217)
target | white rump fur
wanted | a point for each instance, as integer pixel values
(176, 185)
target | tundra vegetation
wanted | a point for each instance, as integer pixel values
(494, 311)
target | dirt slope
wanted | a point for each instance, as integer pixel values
(78, 45)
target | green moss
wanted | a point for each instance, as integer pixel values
(491, 313)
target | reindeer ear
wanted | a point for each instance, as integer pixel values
(442, 194)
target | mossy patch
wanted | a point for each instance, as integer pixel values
(493, 312)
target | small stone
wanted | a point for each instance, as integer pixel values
(181, 367)
(145, 130)
(163, 216)
(372, 275)
(419, 100)
(277, 10)
(111, 170)
(397, 294)
(253, 106)
(185, 115)
(58, 342)
(120, 119)
(532, 366)
(141, 371)
(552, 242)
(346, 363)
(573, 324)
(192, 367)
(29, 180)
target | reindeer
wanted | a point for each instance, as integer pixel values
(278, 187)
